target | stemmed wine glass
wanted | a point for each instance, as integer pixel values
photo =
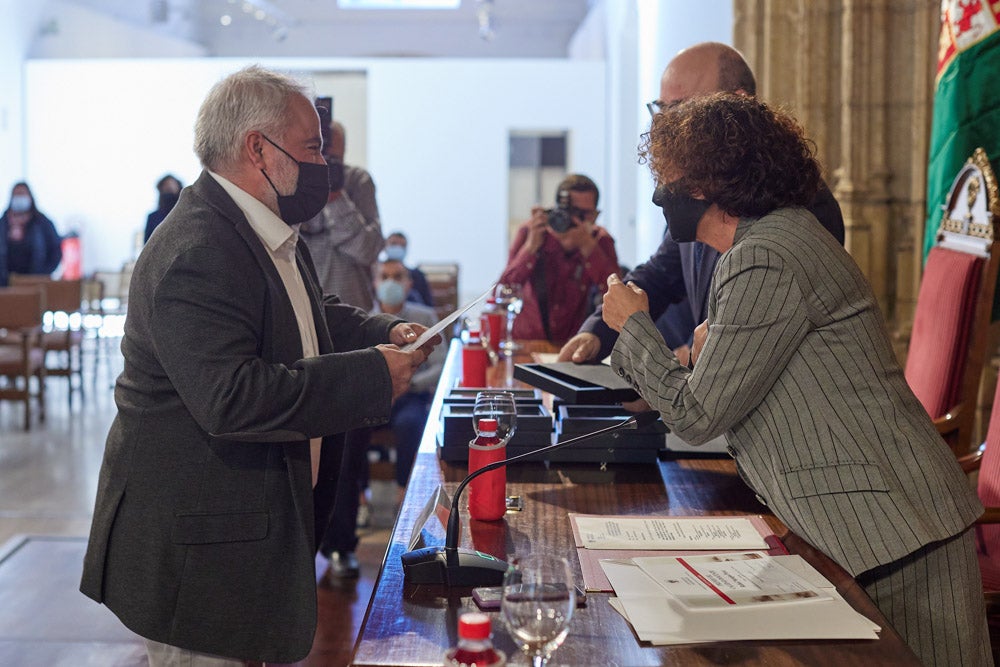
(499, 405)
(508, 296)
(537, 604)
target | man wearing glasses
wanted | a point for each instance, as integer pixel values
(562, 261)
(681, 268)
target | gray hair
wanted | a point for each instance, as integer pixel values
(251, 99)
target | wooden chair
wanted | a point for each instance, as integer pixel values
(62, 344)
(443, 281)
(951, 323)
(22, 356)
(986, 461)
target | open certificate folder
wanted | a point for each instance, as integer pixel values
(658, 617)
(729, 580)
(600, 537)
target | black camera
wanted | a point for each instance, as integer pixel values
(560, 218)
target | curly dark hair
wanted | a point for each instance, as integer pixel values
(735, 151)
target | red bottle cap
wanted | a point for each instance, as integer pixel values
(474, 625)
(487, 425)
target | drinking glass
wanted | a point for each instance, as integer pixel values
(508, 296)
(499, 405)
(537, 604)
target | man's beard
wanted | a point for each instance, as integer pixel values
(285, 178)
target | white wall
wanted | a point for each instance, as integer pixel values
(103, 131)
(69, 29)
(664, 28)
(17, 29)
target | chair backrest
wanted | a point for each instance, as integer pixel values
(442, 278)
(92, 294)
(21, 307)
(945, 360)
(988, 484)
(60, 295)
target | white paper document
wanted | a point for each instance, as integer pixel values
(665, 532)
(440, 326)
(659, 618)
(729, 580)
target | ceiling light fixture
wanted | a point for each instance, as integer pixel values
(399, 4)
(279, 23)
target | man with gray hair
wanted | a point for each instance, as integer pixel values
(236, 367)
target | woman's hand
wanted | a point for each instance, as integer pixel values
(700, 336)
(621, 301)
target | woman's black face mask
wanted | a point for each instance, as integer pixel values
(682, 213)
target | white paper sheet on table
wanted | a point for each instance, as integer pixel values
(659, 619)
(440, 326)
(667, 532)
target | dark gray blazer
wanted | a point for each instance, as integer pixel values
(799, 372)
(202, 534)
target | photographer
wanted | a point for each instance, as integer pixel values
(562, 261)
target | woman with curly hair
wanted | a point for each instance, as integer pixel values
(796, 368)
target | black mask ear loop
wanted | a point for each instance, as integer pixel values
(268, 140)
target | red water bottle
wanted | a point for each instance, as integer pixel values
(488, 492)
(475, 359)
(71, 257)
(475, 649)
(492, 321)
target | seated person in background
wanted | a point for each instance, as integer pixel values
(796, 367)
(560, 272)
(395, 248)
(169, 188)
(409, 411)
(407, 420)
(29, 242)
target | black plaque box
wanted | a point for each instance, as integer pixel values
(625, 446)
(468, 395)
(578, 384)
(534, 429)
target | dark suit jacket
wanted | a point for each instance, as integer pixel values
(675, 272)
(798, 371)
(203, 534)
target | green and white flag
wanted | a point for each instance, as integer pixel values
(966, 98)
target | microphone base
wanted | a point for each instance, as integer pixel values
(470, 568)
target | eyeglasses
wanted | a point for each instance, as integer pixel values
(655, 107)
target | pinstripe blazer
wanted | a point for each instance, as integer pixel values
(799, 372)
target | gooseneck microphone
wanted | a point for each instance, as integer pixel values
(451, 566)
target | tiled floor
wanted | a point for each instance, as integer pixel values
(48, 478)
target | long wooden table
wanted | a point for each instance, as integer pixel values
(413, 625)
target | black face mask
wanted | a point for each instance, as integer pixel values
(312, 189)
(336, 171)
(682, 213)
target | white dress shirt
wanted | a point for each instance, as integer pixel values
(279, 239)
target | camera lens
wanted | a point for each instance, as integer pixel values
(559, 220)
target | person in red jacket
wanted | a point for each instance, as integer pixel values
(561, 259)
